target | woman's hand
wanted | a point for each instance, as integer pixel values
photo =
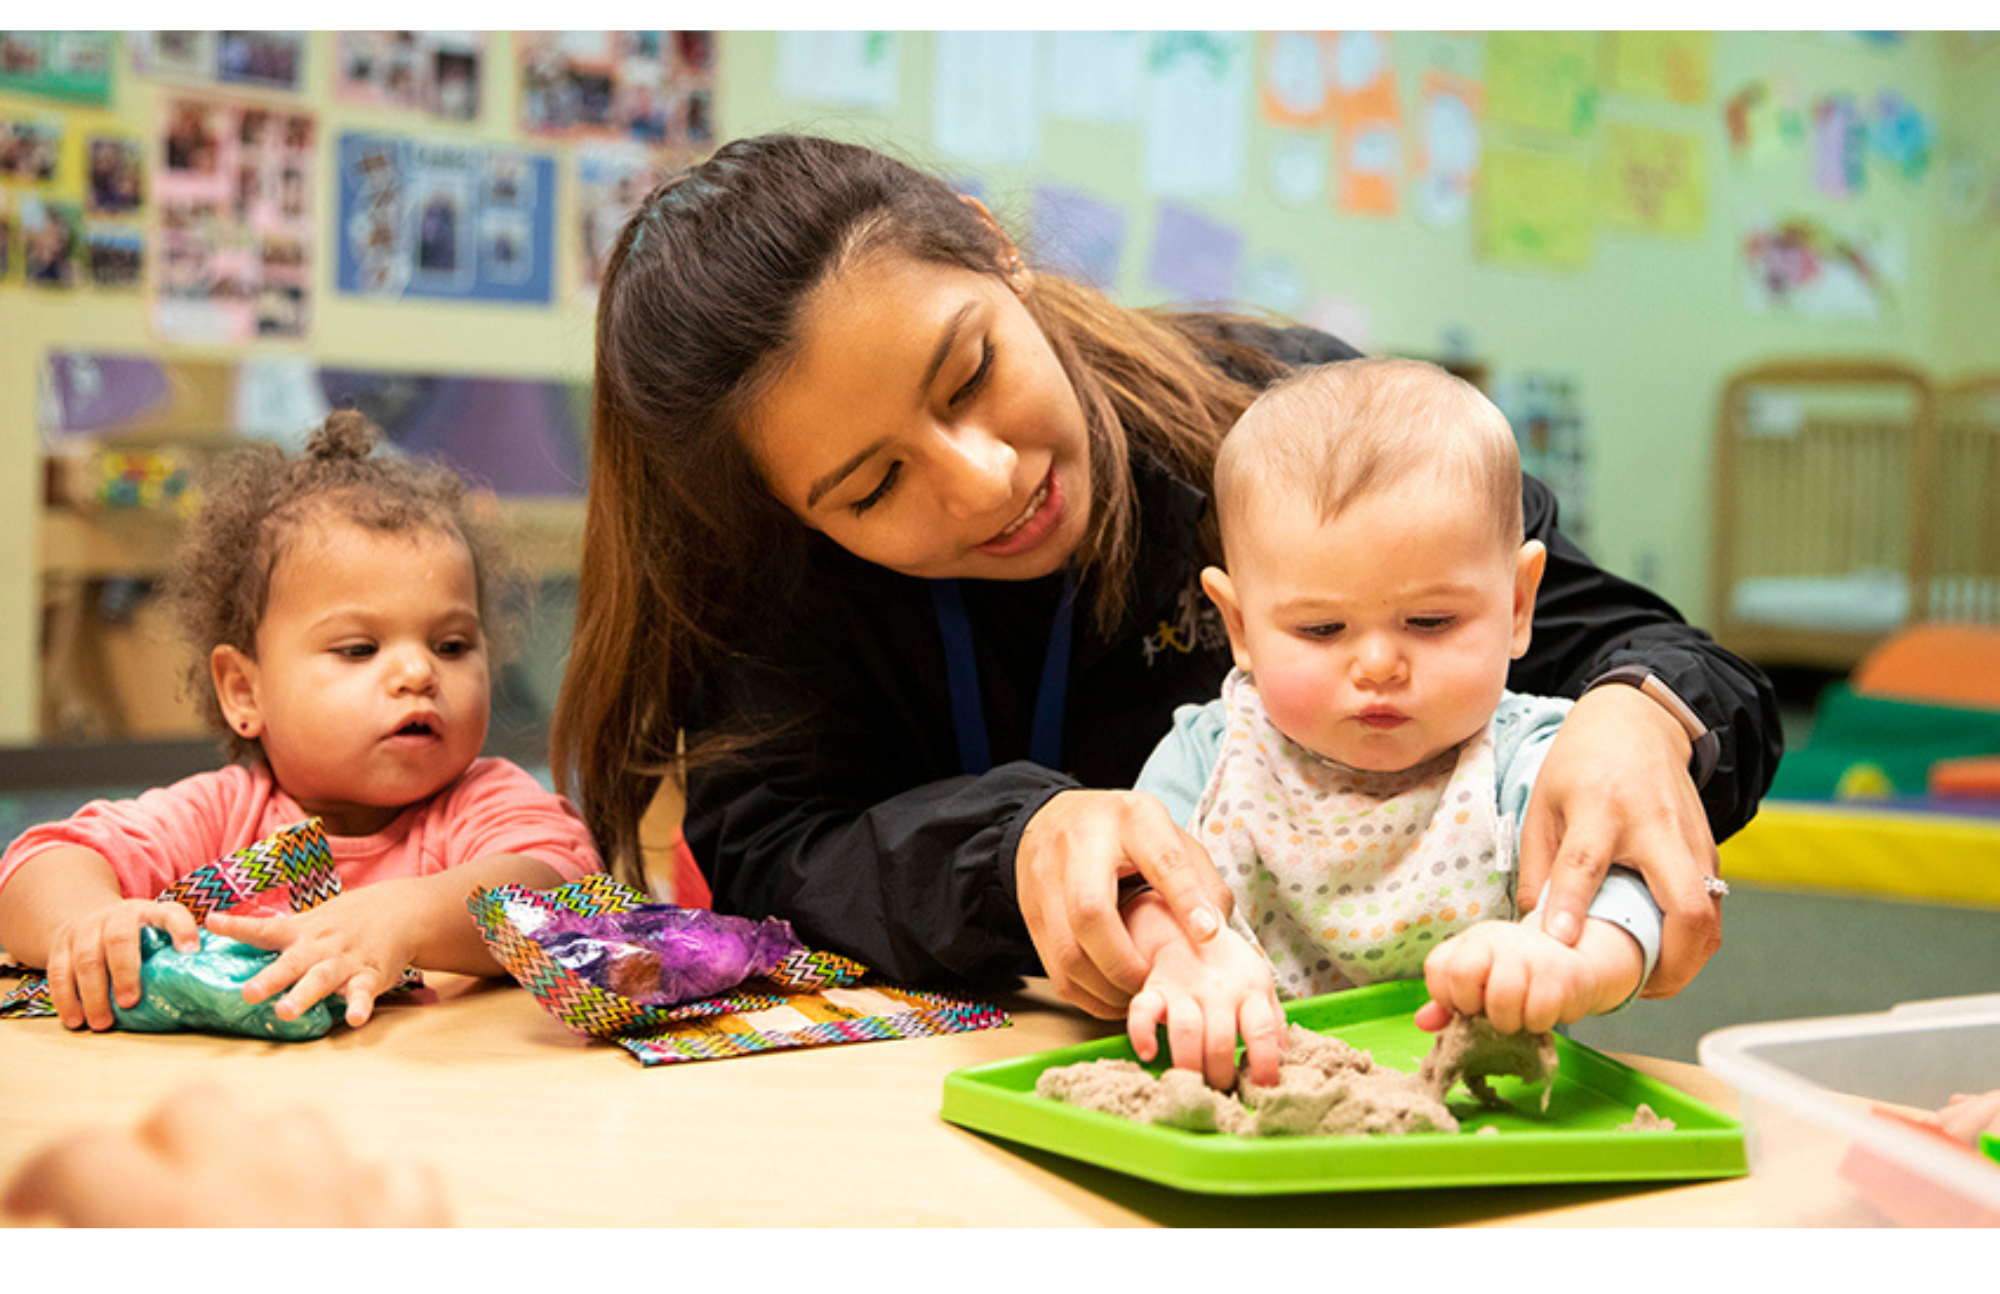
(1072, 855)
(1615, 788)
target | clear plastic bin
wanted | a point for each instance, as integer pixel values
(1817, 1137)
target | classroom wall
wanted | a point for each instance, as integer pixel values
(1630, 343)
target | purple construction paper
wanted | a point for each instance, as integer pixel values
(515, 436)
(1078, 235)
(98, 391)
(1197, 259)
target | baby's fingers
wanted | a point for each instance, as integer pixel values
(1261, 1021)
(1456, 977)
(1142, 1023)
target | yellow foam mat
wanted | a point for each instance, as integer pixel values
(1918, 856)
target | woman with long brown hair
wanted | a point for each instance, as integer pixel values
(893, 552)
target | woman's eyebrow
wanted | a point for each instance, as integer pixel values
(818, 489)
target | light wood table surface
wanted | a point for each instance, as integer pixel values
(532, 1125)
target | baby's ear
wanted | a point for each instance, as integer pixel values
(1529, 564)
(1222, 591)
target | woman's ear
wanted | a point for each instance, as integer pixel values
(234, 674)
(1216, 583)
(1019, 277)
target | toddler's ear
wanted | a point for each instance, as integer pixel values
(1529, 564)
(234, 674)
(1216, 583)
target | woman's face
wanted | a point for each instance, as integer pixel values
(926, 425)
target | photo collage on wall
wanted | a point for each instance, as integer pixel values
(210, 212)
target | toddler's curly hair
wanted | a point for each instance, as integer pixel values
(256, 500)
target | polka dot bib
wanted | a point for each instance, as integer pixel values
(1345, 877)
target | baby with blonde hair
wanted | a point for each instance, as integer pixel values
(1361, 780)
(339, 606)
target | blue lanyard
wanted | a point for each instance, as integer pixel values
(968, 710)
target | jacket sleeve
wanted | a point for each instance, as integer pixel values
(849, 825)
(1588, 621)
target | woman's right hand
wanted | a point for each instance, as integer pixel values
(1073, 853)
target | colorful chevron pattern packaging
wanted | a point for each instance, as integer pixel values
(812, 999)
(294, 858)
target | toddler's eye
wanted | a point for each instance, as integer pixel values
(453, 647)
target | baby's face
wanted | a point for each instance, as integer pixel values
(1383, 638)
(370, 687)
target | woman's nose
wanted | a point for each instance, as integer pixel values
(976, 472)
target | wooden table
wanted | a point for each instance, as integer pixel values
(532, 1125)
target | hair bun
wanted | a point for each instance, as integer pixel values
(347, 433)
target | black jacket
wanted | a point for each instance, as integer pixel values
(857, 825)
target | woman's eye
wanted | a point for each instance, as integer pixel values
(880, 492)
(978, 378)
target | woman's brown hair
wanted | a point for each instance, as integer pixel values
(699, 313)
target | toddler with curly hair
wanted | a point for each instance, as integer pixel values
(339, 605)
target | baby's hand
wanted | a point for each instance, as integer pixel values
(1514, 974)
(105, 942)
(356, 945)
(1206, 994)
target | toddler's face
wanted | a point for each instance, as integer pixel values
(370, 688)
(1383, 638)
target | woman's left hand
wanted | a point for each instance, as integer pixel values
(1615, 788)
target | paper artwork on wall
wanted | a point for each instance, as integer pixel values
(1079, 236)
(1276, 282)
(1535, 210)
(1840, 143)
(983, 96)
(117, 175)
(236, 221)
(1345, 318)
(1546, 412)
(1296, 170)
(1293, 77)
(1196, 259)
(1542, 80)
(1655, 181)
(1763, 119)
(1095, 76)
(428, 218)
(1801, 266)
(1447, 162)
(53, 251)
(1677, 66)
(1197, 113)
(1368, 124)
(854, 69)
(1901, 136)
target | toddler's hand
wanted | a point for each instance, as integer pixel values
(1515, 975)
(355, 944)
(1207, 994)
(94, 959)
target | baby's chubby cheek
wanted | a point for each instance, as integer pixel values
(1298, 704)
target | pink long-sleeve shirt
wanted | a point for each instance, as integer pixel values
(494, 807)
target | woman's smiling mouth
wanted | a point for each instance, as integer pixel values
(1036, 522)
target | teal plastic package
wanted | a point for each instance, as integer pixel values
(202, 992)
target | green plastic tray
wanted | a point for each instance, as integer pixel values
(1577, 1140)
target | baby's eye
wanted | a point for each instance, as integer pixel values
(355, 651)
(1432, 624)
(1321, 632)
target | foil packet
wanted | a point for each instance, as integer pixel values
(660, 955)
(202, 991)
